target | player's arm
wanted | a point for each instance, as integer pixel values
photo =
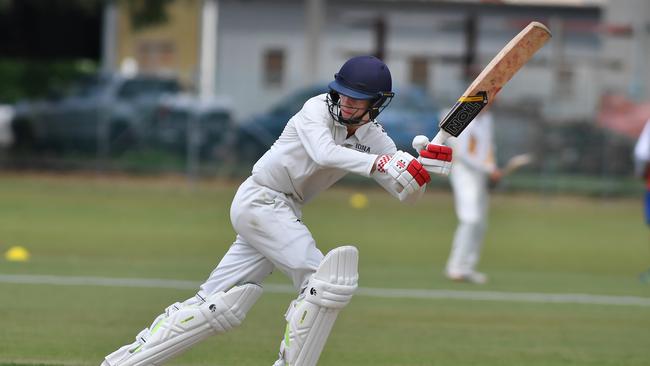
(317, 140)
(495, 174)
(459, 148)
(470, 161)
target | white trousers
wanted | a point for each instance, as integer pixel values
(269, 234)
(471, 201)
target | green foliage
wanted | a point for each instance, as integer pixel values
(147, 13)
(32, 79)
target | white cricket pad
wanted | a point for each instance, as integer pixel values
(310, 318)
(185, 325)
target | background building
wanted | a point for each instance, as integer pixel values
(266, 50)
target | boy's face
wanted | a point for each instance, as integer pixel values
(354, 108)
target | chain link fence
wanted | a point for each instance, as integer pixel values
(577, 157)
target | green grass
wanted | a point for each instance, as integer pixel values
(164, 228)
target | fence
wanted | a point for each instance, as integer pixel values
(577, 157)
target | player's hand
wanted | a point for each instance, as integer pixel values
(496, 175)
(405, 169)
(495, 178)
(436, 159)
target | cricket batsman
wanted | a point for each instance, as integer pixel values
(334, 134)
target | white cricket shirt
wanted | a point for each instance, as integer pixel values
(313, 152)
(642, 146)
(474, 148)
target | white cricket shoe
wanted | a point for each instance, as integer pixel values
(477, 278)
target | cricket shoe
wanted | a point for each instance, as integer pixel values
(477, 278)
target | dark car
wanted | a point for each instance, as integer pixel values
(410, 113)
(98, 111)
(183, 122)
(255, 135)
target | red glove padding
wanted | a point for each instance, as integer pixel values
(437, 152)
(436, 159)
(407, 171)
(418, 172)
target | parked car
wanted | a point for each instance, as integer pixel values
(255, 135)
(100, 111)
(184, 121)
(410, 113)
(6, 136)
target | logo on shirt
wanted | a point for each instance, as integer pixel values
(362, 148)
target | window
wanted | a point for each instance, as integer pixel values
(273, 67)
(419, 71)
(156, 55)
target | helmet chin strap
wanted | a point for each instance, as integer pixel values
(354, 121)
(334, 106)
(358, 121)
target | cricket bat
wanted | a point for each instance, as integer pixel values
(490, 81)
(516, 162)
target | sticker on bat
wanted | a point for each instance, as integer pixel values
(463, 112)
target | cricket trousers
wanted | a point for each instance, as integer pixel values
(270, 234)
(471, 203)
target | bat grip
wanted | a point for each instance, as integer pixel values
(441, 137)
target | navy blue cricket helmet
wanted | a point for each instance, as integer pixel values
(365, 78)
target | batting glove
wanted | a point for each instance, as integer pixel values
(407, 171)
(436, 159)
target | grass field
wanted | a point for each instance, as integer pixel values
(161, 228)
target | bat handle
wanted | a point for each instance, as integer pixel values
(441, 137)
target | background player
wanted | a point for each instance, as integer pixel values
(473, 170)
(332, 135)
(642, 168)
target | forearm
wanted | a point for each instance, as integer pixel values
(474, 165)
(319, 144)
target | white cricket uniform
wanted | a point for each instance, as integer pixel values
(473, 161)
(641, 161)
(312, 153)
(642, 150)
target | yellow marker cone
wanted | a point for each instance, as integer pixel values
(17, 254)
(359, 201)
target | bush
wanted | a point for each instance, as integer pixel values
(22, 79)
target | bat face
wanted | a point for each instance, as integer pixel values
(495, 75)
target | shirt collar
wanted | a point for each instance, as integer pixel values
(362, 131)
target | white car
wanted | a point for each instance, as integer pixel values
(6, 136)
